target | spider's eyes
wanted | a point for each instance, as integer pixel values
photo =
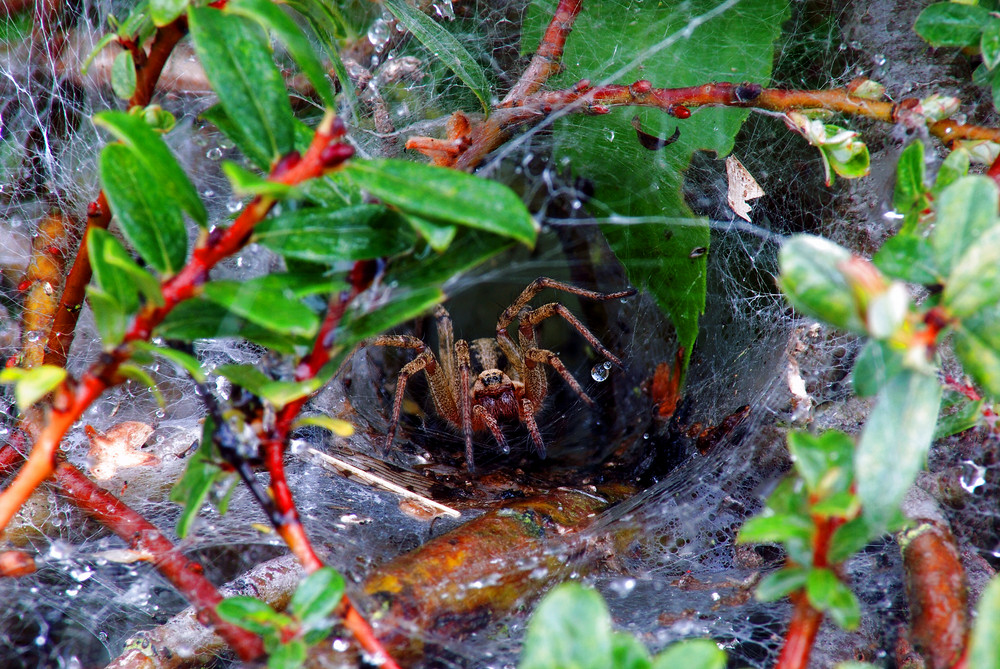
(492, 377)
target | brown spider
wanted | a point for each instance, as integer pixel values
(473, 406)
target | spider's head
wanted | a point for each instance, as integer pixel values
(494, 391)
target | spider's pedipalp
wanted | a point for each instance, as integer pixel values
(491, 422)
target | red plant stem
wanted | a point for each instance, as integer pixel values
(73, 398)
(148, 73)
(185, 575)
(994, 171)
(548, 57)
(805, 619)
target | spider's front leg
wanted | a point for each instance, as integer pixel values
(465, 399)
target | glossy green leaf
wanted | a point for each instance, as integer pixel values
(317, 596)
(989, 43)
(201, 319)
(894, 443)
(843, 504)
(146, 213)
(289, 655)
(31, 385)
(878, 362)
(149, 147)
(123, 75)
(245, 182)
(824, 462)
(775, 528)
(958, 414)
(910, 169)
(217, 116)
(570, 629)
(141, 376)
(851, 537)
(245, 376)
(165, 11)
(108, 276)
(329, 26)
(185, 361)
(264, 305)
(977, 344)
(813, 282)
(849, 159)
(965, 210)
(908, 257)
(951, 23)
(446, 196)
(270, 15)
(444, 46)
(781, 583)
(691, 654)
(201, 473)
(954, 167)
(637, 197)
(627, 652)
(238, 62)
(438, 235)
(328, 235)
(828, 594)
(984, 652)
(110, 316)
(401, 308)
(250, 614)
(974, 283)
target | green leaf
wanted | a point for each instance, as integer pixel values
(185, 361)
(438, 235)
(824, 462)
(295, 41)
(32, 384)
(258, 155)
(444, 46)
(828, 594)
(123, 75)
(974, 283)
(843, 504)
(250, 614)
(781, 583)
(110, 317)
(329, 235)
(954, 167)
(329, 25)
(637, 197)
(245, 376)
(813, 282)
(908, 257)
(775, 528)
(401, 308)
(149, 147)
(139, 375)
(201, 319)
(200, 474)
(316, 598)
(851, 537)
(951, 23)
(446, 196)
(984, 652)
(691, 654)
(909, 190)
(290, 655)
(989, 43)
(339, 427)
(977, 344)
(245, 182)
(627, 652)
(147, 214)
(965, 210)
(966, 416)
(878, 362)
(165, 11)
(259, 303)
(237, 60)
(117, 274)
(894, 443)
(570, 629)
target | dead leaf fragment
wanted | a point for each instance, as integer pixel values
(118, 448)
(742, 187)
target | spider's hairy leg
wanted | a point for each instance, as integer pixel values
(530, 318)
(528, 409)
(486, 352)
(465, 399)
(425, 361)
(446, 346)
(491, 422)
(540, 284)
(540, 355)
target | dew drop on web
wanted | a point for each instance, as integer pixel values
(600, 371)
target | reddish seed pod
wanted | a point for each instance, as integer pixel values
(581, 85)
(680, 111)
(335, 154)
(600, 109)
(24, 285)
(641, 87)
(287, 162)
(93, 210)
(338, 129)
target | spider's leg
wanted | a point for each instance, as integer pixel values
(528, 417)
(446, 345)
(493, 425)
(551, 359)
(425, 361)
(529, 319)
(465, 399)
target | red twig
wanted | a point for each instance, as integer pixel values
(548, 58)
(183, 574)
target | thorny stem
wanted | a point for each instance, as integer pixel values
(185, 575)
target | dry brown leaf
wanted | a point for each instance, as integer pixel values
(118, 448)
(742, 187)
